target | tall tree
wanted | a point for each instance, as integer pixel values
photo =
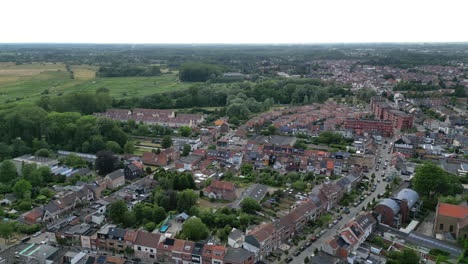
(185, 200)
(7, 171)
(166, 142)
(249, 205)
(431, 181)
(105, 162)
(21, 188)
(185, 131)
(194, 229)
(117, 211)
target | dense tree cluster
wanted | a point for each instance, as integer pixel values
(125, 70)
(431, 182)
(145, 214)
(26, 129)
(258, 96)
(198, 72)
(80, 102)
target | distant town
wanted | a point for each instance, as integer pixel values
(361, 157)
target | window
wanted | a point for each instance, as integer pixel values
(151, 250)
(451, 228)
(152, 256)
(139, 248)
(441, 226)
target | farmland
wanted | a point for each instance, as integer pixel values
(27, 82)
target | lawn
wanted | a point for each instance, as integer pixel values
(27, 82)
(134, 86)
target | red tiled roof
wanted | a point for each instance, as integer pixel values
(262, 232)
(452, 210)
(228, 186)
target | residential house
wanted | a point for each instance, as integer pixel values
(133, 170)
(451, 220)
(261, 241)
(189, 162)
(238, 256)
(221, 190)
(115, 179)
(351, 236)
(146, 244)
(164, 158)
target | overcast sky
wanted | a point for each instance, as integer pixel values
(233, 21)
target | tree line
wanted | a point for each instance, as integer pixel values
(128, 70)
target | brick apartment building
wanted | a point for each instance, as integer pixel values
(383, 127)
(383, 111)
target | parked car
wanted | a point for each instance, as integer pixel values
(340, 217)
(335, 222)
(346, 210)
(314, 238)
(289, 259)
(297, 253)
(308, 243)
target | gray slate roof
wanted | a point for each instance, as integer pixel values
(407, 194)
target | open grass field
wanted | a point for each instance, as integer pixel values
(27, 82)
(134, 86)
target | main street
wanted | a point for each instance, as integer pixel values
(380, 189)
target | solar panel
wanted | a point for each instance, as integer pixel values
(101, 259)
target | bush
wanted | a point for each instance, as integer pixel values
(150, 226)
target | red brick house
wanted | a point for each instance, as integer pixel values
(162, 159)
(221, 190)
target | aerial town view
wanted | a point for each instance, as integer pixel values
(144, 146)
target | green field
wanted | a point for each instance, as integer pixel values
(25, 83)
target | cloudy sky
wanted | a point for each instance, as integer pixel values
(233, 21)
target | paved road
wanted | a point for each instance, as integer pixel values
(353, 210)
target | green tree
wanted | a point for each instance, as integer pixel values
(129, 219)
(246, 169)
(250, 206)
(129, 147)
(7, 171)
(186, 150)
(21, 188)
(194, 229)
(272, 129)
(113, 146)
(159, 214)
(185, 131)
(117, 211)
(43, 152)
(407, 256)
(299, 185)
(106, 162)
(166, 142)
(185, 200)
(431, 181)
(150, 226)
(75, 161)
(6, 230)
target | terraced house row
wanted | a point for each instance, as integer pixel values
(152, 247)
(265, 238)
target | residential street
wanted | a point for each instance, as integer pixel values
(346, 217)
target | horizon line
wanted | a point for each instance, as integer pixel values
(240, 43)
